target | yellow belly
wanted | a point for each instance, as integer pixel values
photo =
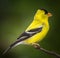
(38, 37)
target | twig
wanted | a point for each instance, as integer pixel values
(37, 46)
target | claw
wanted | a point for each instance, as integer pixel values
(36, 45)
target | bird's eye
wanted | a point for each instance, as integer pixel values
(46, 12)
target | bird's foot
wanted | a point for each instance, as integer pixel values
(36, 45)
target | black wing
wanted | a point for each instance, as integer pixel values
(29, 33)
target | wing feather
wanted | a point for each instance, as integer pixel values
(29, 33)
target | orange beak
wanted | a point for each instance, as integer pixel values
(49, 14)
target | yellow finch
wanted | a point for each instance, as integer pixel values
(36, 31)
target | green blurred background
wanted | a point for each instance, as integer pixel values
(16, 15)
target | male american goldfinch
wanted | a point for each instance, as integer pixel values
(36, 31)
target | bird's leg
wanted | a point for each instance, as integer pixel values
(36, 45)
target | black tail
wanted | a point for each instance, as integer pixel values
(12, 46)
(6, 50)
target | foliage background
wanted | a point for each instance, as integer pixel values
(16, 15)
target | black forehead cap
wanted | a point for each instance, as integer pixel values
(46, 12)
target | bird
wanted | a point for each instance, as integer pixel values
(35, 32)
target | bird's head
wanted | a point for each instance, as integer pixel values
(42, 15)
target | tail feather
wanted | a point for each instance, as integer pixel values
(6, 50)
(12, 46)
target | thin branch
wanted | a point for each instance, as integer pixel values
(37, 46)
